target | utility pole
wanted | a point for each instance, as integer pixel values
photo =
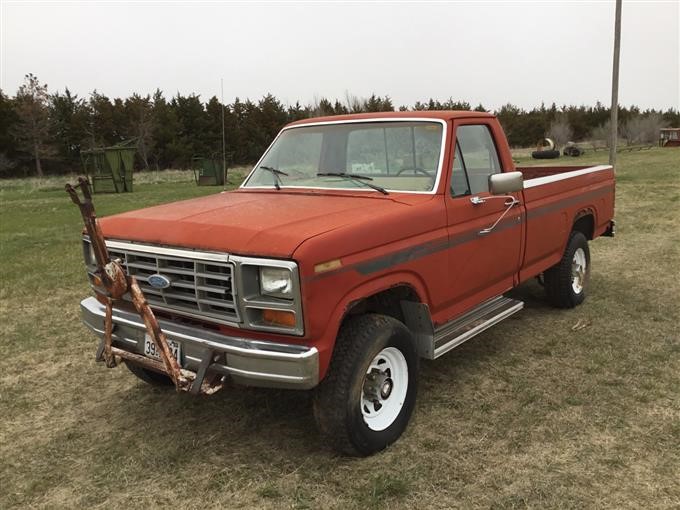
(224, 142)
(614, 120)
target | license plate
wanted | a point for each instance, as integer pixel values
(151, 351)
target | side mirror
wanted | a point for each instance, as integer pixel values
(509, 182)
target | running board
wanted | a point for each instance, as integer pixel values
(479, 319)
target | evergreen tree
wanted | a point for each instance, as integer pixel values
(164, 128)
(192, 122)
(212, 136)
(8, 122)
(169, 133)
(101, 126)
(69, 125)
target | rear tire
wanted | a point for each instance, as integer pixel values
(149, 376)
(368, 395)
(567, 281)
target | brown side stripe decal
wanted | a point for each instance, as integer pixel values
(429, 248)
(567, 202)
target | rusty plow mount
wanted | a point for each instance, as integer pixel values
(116, 283)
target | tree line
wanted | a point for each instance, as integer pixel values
(43, 132)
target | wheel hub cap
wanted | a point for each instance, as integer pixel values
(384, 389)
(578, 271)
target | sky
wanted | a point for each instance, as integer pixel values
(519, 52)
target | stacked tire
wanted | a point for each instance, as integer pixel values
(572, 151)
(547, 154)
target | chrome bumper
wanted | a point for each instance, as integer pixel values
(245, 361)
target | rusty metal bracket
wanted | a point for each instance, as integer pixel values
(117, 283)
(205, 383)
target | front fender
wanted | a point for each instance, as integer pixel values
(358, 292)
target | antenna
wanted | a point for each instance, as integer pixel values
(224, 142)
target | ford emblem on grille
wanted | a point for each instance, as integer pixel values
(158, 281)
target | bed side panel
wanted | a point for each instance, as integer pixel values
(551, 208)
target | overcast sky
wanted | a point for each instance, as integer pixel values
(488, 52)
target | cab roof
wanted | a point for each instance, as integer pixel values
(427, 114)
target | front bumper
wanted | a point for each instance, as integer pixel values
(245, 361)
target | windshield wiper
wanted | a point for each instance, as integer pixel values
(276, 173)
(355, 177)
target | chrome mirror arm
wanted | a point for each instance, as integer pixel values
(510, 202)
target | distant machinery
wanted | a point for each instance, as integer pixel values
(209, 171)
(669, 137)
(110, 168)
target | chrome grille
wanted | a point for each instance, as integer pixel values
(198, 288)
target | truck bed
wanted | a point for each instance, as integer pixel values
(533, 172)
(555, 197)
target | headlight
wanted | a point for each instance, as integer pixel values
(276, 282)
(269, 294)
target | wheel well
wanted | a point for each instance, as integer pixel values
(585, 223)
(386, 302)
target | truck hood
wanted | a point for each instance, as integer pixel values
(265, 223)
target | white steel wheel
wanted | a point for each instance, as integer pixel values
(365, 402)
(566, 283)
(384, 389)
(579, 269)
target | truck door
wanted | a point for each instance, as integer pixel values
(481, 266)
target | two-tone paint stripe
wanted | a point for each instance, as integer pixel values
(568, 202)
(429, 248)
(419, 251)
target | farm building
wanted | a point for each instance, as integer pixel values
(669, 137)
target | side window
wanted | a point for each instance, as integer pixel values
(459, 182)
(476, 154)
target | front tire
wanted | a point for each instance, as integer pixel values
(368, 395)
(567, 281)
(149, 376)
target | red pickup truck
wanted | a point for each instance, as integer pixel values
(357, 245)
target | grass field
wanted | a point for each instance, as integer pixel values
(551, 409)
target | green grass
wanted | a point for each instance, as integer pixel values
(553, 408)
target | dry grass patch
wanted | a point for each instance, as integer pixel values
(553, 408)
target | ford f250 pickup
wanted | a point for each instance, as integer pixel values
(357, 245)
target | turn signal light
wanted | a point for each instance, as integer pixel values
(328, 266)
(279, 318)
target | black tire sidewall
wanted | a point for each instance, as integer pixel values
(558, 279)
(364, 439)
(546, 154)
(149, 376)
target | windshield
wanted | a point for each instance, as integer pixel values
(391, 156)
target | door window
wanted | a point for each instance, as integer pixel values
(475, 160)
(459, 181)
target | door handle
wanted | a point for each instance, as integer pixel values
(509, 200)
